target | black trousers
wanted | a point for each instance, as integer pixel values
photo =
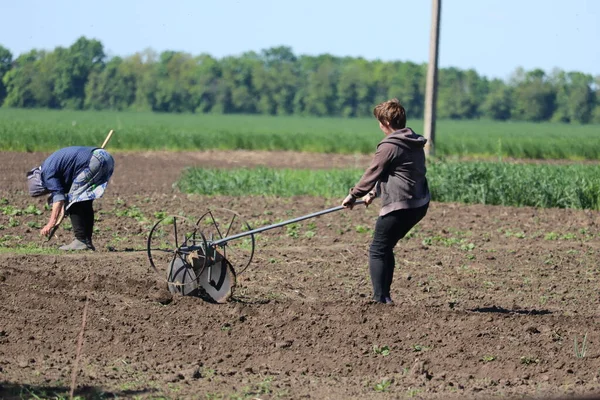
(82, 219)
(389, 229)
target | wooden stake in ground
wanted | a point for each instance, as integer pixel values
(61, 216)
(431, 85)
(79, 347)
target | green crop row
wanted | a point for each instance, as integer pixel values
(537, 185)
(47, 130)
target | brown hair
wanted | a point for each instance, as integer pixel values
(391, 112)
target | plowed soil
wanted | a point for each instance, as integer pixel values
(490, 301)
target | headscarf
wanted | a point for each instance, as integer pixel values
(34, 182)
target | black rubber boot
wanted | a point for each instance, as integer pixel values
(82, 219)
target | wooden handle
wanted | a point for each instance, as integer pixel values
(107, 139)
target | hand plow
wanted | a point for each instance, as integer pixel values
(204, 257)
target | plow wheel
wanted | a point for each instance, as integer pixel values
(220, 223)
(214, 282)
(168, 240)
(179, 252)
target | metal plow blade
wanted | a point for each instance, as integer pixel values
(214, 283)
(217, 282)
(181, 278)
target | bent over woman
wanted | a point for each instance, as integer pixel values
(74, 177)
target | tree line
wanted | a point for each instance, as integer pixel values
(275, 81)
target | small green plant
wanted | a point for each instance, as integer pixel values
(580, 349)
(525, 360)
(242, 244)
(13, 222)
(174, 387)
(132, 212)
(10, 238)
(488, 358)
(292, 230)
(362, 229)
(128, 386)
(518, 235)
(383, 386)
(251, 391)
(551, 236)
(160, 214)
(381, 350)
(11, 211)
(467, 247)
(32, 210)
(226, 327)
(451, 241)
(34, 225)
(309, 234)
(419, 347)
(167, 220)
(264, 387)
(208, 373)
(412, 233)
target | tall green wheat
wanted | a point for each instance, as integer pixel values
(46, 130)
(536, 185)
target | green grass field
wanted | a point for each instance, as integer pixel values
(47, 130)
(536, 185)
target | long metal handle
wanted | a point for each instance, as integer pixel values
(280, 224)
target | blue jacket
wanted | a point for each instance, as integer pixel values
(61, 167)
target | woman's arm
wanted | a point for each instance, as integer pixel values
(57, 209)
(371, 176)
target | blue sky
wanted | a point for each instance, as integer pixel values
(494, 37)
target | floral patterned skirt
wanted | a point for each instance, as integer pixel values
(92, 181)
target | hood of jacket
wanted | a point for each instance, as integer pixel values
(405, 137)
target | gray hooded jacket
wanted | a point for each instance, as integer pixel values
(398, 170)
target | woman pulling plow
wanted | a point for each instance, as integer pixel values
(397, 175)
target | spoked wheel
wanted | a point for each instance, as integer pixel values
(168, 247)
(220, 223)
(193, 268)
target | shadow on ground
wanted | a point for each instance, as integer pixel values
(10, 391)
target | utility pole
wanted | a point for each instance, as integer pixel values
(432, 72)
